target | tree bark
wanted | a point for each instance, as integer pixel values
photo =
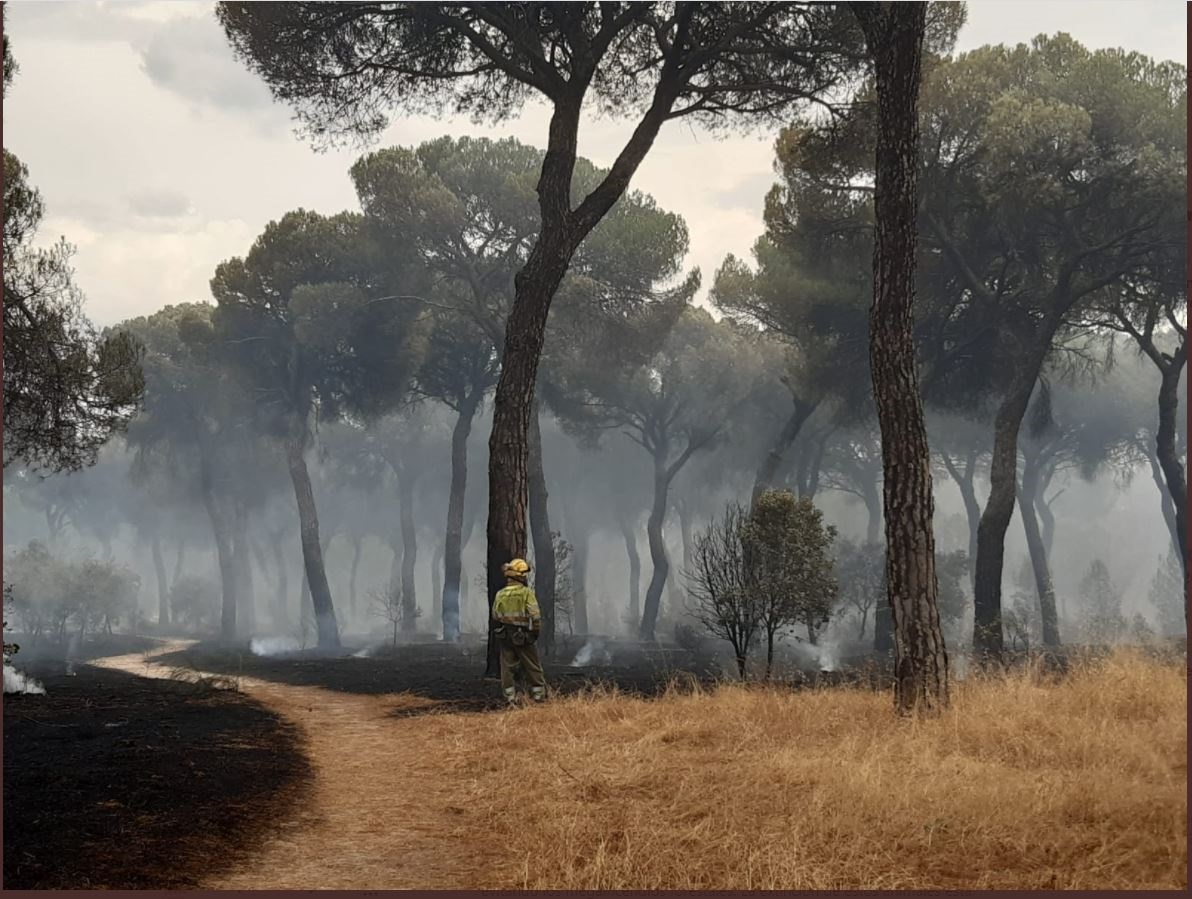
(453, 551)
(894, 34)
(635, 569)
(179, 557)
(1027, 500)
(685, 533)
(163, 587)
(1046, 524)
(409, 558)
(1165, 502)
(972, 508)
(395, 545)
(1165, 451)
(436, 583)
(768, 469)
(242, 558)
(227, 567)
(544, 547)
(357, 550)
(657, 552)
(221, 530)
(988, 637)
(312, 551)
(883, 626)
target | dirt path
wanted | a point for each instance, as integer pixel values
(384, 810)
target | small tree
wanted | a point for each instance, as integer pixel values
(788, 565)
(387, 603)
(723, 601)
(861, 572)
(107, 594)
(564, 587)
(1102, 606)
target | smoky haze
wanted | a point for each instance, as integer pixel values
(675, 345)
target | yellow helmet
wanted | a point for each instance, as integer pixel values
(517, 569)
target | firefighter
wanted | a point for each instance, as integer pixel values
(517, 624)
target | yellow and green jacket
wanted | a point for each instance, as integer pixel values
(517, 605)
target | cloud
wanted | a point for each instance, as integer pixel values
(747, 194)
(190, 58)
(159, 203)
(125, 271)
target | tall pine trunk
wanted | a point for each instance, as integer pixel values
(163, 586)
(312, 551)
(1165, 503)
(453, 549)
(657, 552)
(242, 558)
(972, 508)
(222, 531)
(1027, 502)
(409, 539)
(988, 637)
(436, 583)
(685, 533)
(894, 34)
(395, 545)
(635, 570)
(357, 550)
(544, 547)
(1165, 450)
(508, 476)
(560, 233)
(179, 558)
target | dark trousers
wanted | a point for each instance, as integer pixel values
(524, 658)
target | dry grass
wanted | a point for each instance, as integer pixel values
(1025, 784)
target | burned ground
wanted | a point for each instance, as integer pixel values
(451, 677)
(121, 782)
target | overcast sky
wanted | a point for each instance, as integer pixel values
(159, 156)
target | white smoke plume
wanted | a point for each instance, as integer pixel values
(824, 655)
(16, 682)
(588, 653)
(273, 646)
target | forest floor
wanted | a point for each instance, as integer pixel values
(1029, 781)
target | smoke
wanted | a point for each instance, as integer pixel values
(829, 655)
(588, 651)
(273, 646)
(824, 655)
(16, 682)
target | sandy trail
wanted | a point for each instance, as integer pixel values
(385, 809)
